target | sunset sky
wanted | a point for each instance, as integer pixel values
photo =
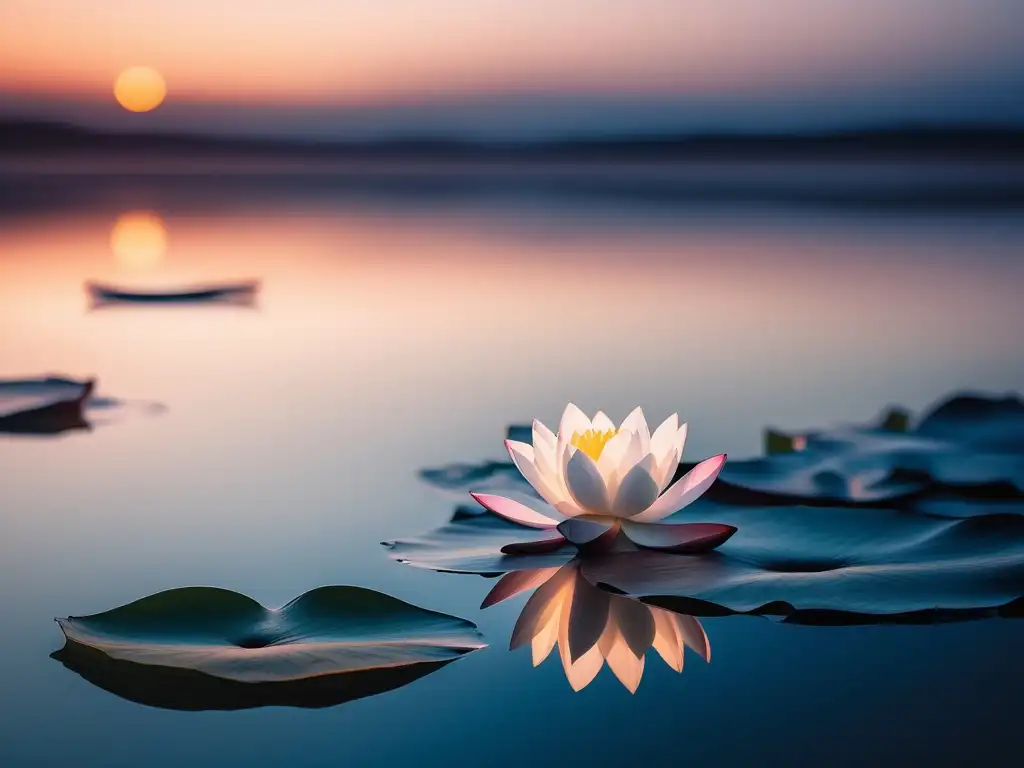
(516, 68)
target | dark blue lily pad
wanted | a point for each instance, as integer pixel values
(207, 648)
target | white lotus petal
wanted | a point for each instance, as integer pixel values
(586, 484)
(523, 457)
(602, 423)
(544, 457)
(693, 634)
(667, 642)
(611, 459)
(543, 436)
(570, 508)
(514, 511)
(583, 530)
(515, 582)
(664, 438)
(638, 489)
(633, 454)
(573, 421)
(681, 439)
(684, 491)
(666, 469)
(637, 423)
(627, 667)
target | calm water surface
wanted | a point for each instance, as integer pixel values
(395, 334)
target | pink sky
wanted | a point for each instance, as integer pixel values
(330, 55)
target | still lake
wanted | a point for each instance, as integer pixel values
(397, 331)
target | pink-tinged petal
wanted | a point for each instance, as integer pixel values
(514, 511)
(586, 484)
(664, 438)
(667, 642)
(638, 489)
(515, 582)
(588, 616)
(692, 634)
(544, 605)
(601, 422)
(523, 457)
(627, 667)
(685, 538)
(684, 491)
(634, 623)
(589, 533)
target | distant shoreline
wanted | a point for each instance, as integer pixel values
(29, 140)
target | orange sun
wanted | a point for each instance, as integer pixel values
(140, 89)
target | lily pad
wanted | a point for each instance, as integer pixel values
(878, 562)
(473, 544)
(913, 593)
(207, 641)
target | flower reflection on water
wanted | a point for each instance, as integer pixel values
(591, 626)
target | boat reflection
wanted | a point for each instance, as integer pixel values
(592, 626)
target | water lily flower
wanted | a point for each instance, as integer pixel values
(606, 481)
(591, 626)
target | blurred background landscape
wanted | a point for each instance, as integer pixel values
(456, 216)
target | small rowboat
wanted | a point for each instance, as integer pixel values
(43, 406)
(225, 292)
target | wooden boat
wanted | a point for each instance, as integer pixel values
(43, 406)
(237, 292)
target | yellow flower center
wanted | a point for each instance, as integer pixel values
(592, 442)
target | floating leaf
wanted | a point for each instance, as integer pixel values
(868, 562)
(229, 638)
(473, 544)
